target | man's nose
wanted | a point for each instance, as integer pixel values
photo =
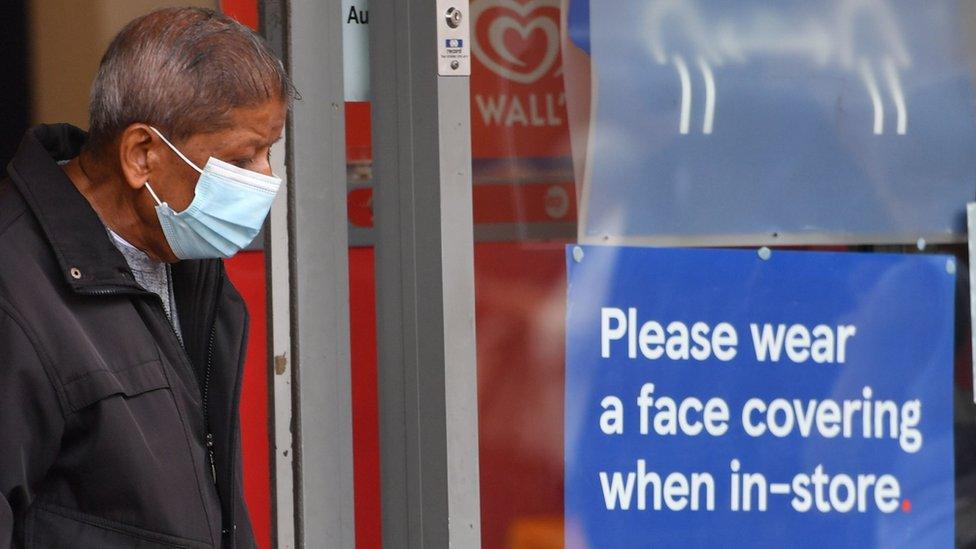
(263, 166)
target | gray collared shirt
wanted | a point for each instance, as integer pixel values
(153, 276)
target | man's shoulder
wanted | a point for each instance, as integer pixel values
(26, 257)
(21, 237)
(12, 205)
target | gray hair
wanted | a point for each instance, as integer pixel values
(183, 70)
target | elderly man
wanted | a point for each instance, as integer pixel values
(121, 338)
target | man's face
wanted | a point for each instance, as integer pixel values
(246, 144)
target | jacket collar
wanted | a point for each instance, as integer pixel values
(88, 259)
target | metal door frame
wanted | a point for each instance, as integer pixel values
(307, 257)
(424, 285)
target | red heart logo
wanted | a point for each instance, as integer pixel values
(518, 41)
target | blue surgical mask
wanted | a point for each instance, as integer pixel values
(228, 209)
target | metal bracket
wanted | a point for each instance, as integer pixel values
(453, 38)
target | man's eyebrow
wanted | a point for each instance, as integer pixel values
(260, 143)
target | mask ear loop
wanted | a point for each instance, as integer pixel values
(153, 193)
(177, 151)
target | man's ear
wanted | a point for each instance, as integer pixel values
(138, 154)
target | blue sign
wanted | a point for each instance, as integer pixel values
(717, 399)
(756, 121)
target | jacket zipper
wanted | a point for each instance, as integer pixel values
(206, 391)
(207, 374)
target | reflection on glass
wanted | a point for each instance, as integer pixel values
(746, 119)
(841, 121)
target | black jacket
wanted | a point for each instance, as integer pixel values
(104, 416)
